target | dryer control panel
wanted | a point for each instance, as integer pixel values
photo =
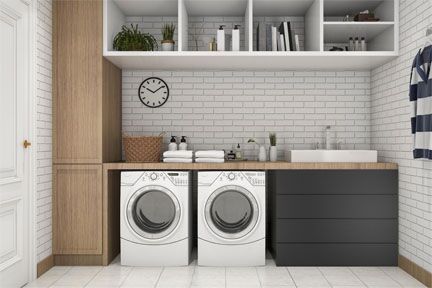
(178, 178)
(256, 178)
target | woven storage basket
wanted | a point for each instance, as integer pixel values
(142, 148)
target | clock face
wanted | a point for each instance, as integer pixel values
(153, 92)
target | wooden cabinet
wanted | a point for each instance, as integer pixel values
(87, 88)
(77, 211)
(86, 133)
(333, 217)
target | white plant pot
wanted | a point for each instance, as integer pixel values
(273, 153)
(167, 46)
(262, 155)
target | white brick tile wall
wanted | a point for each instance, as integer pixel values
(218, 109)
(44, 128)
(391, 135)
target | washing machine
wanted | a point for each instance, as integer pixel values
(231, 218)
(155, 218)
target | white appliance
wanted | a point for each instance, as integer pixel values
(231, 218)
(155, 218)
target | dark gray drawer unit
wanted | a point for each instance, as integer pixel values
(333, 217)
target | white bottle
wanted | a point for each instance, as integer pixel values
(356, 44)
(236, 38)
(221, 38)
(363, 44)
(172, 146)
(328, 138)
(351, 44)
(183, 144)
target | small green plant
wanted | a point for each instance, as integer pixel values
(272, 137)
(131, 39)
(168, 32)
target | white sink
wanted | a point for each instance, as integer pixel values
(332, 156)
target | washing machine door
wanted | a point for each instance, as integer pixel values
(231, 212)
(153, 212)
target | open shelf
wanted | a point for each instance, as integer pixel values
(379, 35)
(318, 23)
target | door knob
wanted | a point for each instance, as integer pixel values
(26, 144)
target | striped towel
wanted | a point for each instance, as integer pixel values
(421, 103)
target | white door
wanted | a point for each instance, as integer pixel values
(14, 128)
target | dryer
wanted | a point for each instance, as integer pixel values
(155, 218)
(231, 218)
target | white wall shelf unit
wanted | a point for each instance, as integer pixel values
(317, 22)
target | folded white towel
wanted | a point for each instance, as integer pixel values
(209, 160)
(177, 160)
(210, 154)
(177, 154)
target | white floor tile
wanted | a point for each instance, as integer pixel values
(242, 277)
(308, 277)
(273, 276)
(193, 276)
(142, 277)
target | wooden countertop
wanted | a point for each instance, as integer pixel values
(249, 165)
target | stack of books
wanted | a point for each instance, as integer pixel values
(280, 38)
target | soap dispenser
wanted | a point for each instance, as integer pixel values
(172, 146)
(236, 38)
(221, 38)
(238, 153)
(183, 144)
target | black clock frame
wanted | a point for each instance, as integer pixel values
(166, 85)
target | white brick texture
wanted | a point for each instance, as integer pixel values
(391, 134)
(218, 109)
(44, 128)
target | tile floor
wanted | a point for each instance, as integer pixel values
(195, 276)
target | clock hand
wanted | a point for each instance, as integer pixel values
(151, 90)
(158, 89)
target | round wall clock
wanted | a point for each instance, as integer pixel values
(153, 92)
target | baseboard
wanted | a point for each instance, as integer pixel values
(416, 271)
(78, 260)
(44, 265)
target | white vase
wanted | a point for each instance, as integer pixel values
(262, 155)
(167, 46)
(273, 153)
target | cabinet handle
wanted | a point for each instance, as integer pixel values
(26, 144)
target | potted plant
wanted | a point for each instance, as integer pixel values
(262, 155)
(168, 37)
(273, 148)
(131, 39)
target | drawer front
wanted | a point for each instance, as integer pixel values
(336, 254)
(337, 231)
(336, 206)
(336, 182)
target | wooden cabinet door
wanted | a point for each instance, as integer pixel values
(77, 209)
(77, 78)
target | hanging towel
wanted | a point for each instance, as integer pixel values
(421, 102)
(177, 160)
(177, 154)
(209, 160)
(210, 154)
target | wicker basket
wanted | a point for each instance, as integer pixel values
(142, 148)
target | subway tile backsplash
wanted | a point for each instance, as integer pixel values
(218, 109)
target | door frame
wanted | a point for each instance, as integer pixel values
(32, 189)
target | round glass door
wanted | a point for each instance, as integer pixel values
(231, 212)
(153, 212)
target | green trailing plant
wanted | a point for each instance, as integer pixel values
(272, 137)
(253, 140)
(168, 32)
(131, 39)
